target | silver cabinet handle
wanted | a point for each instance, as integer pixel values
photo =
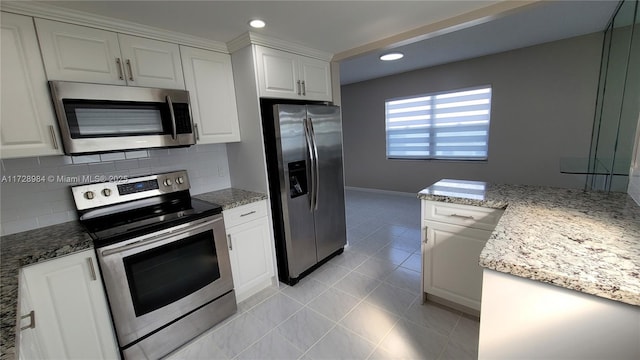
(230, 242)
(32, 322)
(120, 70)
(304, 89)
(173, 117)
(462, 216)
(54, 141)
(299, 91)
(130, 70)
(195, 127)
(247, 214)
(92, 270)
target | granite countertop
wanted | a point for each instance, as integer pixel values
(230, 198)
(585, 241)
(47, 243)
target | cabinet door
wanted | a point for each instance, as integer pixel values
(28, 344)
(151, 63)
(316, 77)
(28, 125)
(251, 257)
(278, 74)
(450, 263)
(209, 79)
(79, 53)
(72, 318)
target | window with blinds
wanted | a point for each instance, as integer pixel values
(448, 125)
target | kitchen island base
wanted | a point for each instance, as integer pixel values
(470, 312)
(527, 319)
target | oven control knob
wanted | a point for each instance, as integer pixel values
(168, 182)
(89, 195)
(106, 192)
(180, 180)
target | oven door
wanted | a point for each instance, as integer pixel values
(160, 277)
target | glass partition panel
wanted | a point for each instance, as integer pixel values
(617, 106)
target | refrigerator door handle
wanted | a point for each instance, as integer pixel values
(307, 135)
(316, 180)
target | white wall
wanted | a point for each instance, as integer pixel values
(543, 103)
(25, 206)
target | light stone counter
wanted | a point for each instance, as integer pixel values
(230, 198)
(584, 241)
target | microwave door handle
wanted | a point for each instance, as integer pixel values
(173, 118)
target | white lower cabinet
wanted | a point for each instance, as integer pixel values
(250, 248)
(452, 238)
(64, 312)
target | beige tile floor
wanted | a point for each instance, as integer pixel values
(363, 304)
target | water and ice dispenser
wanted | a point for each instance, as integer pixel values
(297, 178)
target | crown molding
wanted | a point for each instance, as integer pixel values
(46, 11)
(251, 38)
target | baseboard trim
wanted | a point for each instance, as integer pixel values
(379, 191)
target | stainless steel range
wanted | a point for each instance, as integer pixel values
(163, 257)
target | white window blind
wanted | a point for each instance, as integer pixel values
(449, 125)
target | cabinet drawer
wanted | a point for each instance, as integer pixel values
(244, 213)
(465, 215)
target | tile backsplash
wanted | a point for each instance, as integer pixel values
(47, 200)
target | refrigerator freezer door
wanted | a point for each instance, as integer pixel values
(293, 154)
(329, 215)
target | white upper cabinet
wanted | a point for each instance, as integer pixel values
(209, 79)
(151, 63)
(316, 78)
(79, 53)
(290, 76)
(28, 125)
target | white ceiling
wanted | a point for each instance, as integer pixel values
(352, 29)
(543, 22)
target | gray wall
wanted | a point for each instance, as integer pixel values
(543, 104)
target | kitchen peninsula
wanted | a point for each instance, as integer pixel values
(586, 242)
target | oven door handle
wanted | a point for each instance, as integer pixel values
(137, 244)
(159, 237)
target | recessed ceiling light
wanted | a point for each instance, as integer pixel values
(391, 56)
(257, 23)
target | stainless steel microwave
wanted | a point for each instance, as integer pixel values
(100, 118)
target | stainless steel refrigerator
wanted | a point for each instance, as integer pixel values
(304, 159)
